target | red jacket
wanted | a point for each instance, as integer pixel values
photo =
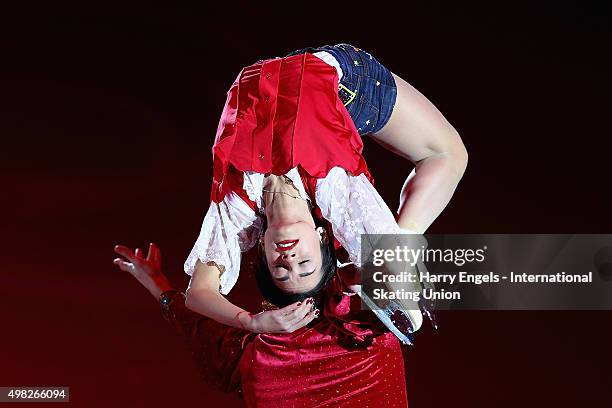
(282, 113)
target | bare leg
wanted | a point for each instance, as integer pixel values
(418, 131)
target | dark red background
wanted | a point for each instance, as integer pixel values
(107, 117)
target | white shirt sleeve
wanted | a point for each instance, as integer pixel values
(353, 207)
(229, 228)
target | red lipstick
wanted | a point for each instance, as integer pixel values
(286, 245)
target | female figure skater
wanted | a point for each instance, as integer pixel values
(288, 148)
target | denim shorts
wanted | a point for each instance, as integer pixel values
(367, 87)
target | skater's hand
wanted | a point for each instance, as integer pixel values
(147, 270)
(285, 320)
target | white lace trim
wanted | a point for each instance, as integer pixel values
(229, 228)
(353, 207)
(253, 185)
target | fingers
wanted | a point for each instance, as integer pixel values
(288, 310)
(123, 265)
(308, 317)
(301, 311)
(139, 254)
(287, 313)
(154, 254)
(150, 252)
(294, 317)
(126, 252)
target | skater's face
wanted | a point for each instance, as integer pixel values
(293, 255)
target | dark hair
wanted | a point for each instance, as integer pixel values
(275, 295)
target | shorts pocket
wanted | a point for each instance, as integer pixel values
(348, 91)
(366, 117)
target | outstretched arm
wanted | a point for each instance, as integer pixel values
(147, 271)
(418, 132)
(216, 348)
(203, 297)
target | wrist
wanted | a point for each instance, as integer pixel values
(158, 285)
(166, 301)
(246, 321)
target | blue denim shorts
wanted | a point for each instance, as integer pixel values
(367, 87)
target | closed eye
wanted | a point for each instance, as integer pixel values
(281, 266)
(306, 273)
(303, 262)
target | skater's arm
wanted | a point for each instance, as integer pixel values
(147, 271)
(203, 297)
